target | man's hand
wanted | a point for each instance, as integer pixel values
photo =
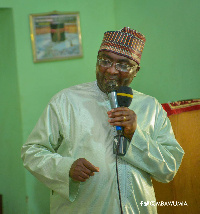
(82, 169)
(124, 117)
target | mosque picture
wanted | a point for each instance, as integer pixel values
(55, 36)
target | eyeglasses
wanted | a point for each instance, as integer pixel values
(106, 63)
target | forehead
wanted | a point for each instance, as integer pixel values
(116, 57)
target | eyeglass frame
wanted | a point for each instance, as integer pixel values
(129, 68)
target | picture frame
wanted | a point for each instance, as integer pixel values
(55, 36)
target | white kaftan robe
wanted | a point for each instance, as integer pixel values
(75, 125)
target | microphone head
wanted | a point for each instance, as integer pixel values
(124, 96)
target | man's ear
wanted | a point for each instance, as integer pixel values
(138, 68)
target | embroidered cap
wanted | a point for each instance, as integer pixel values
(125, 42)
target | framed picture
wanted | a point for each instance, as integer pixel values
(55, 36)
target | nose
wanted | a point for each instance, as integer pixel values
(112, 69)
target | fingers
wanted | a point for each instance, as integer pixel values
(116, 122)
(124, 117)
(120, 111)
(120, 116)
(82, 169)
(82, 176)
(89, 166)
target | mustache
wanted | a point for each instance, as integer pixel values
(111, 78)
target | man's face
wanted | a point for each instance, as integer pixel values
(107, 75)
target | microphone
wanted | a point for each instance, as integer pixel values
(124, 96)
(120, 97)
(113, 100)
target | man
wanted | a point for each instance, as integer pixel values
(71, 148)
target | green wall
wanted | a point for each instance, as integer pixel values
(169, 71)
(37, 83)
(12, 175)
(170, 61)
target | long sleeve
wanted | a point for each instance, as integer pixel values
(75, 125)
(155, 149)
(40, 155)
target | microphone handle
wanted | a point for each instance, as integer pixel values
(113, 99)
(114, 104)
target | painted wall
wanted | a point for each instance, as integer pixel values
(170, 62)
(37, 83)
(169, 71)
(12, 174)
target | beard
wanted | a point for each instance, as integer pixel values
(107, 83)
(112, 85)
